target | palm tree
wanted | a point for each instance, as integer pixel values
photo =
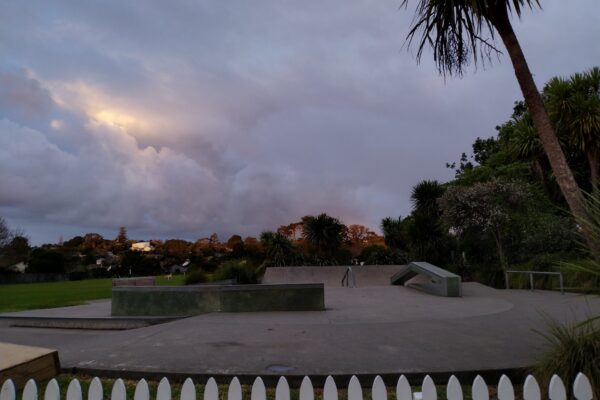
(393, 233)
(325, 233)
(574, 107)
(424, 197)
(457, 30)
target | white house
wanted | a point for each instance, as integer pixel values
(142, 246)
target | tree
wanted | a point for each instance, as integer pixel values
(574, 108)
(393, 233)
(424, 197)
(323, 232)
(484, 207)
(46, 261)
(235, 244)
(457, 31)
(278, 248)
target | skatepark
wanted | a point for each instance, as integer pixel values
(372, 328)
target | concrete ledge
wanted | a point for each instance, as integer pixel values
(85, 323)
(192, 300)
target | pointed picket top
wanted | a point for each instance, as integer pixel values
(95, 391)
(258, 391)
(307, 391)
(531, 389)
(74, 390)
(282, 391)
(52, 391)
(453, 389)
(188, 390)
(428, 389)
(141, 391)
(506, 390)
(163, 392)
(378, 390)
(235, 390)
(403, 390)
(480, 391)
(118, 391)
(330, 389)
(582, 389)
(8, 391)
(556, 389)
(211, 390)
(30, 391)
(354, 389)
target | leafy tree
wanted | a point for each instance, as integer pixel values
(177, 248)
(46, 261)
(381, 255)
(5, 233)
(484, 207)
(457, 31)
(236, 245)
(323, 232)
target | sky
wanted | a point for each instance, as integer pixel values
(177, 119)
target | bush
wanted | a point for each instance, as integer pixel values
(380, 255)
(196, 276)
(574, 348)
(242, 271)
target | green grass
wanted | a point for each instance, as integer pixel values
(30, 296)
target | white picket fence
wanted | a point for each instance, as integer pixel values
(582, 390)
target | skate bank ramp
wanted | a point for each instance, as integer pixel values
(331, 276)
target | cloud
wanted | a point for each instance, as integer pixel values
(183, 119)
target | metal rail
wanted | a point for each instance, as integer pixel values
(349, 275)
(531, 273)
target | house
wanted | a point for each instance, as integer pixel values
(142, 246)
(18, 267)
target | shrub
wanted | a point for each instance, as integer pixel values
(196, 276)
(573, 348)
(242, 271)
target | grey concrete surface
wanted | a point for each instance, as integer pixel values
(368, 330)
(331, 276)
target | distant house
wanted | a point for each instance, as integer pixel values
(142, 246)
(177, 269)
(18, 267)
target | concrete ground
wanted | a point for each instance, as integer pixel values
(365, 330)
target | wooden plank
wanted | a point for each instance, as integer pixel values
(21, 363)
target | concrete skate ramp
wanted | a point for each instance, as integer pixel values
(368, 275)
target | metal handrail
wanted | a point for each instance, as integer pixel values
(531, 273)
(349, 274)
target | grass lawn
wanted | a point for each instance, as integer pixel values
(29, 296)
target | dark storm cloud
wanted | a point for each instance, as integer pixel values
(184, 118)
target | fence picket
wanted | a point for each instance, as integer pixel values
(582, 389)
(556, 389)
(52, 391)
(211, 390)
(307, 391)
(74, 390)
(429, 392)
(506, 390)
(330, 389)
(188, 390)
(354, 389)
(453, 389)
(282, 391)
(163, 392)
(403, 390)
(258, 390)
(378, 390)
(118, 391)
(8, 391)
(95, 391)
(30, 391)
(235, 390)
(480, 391)
(141, 391)
(531, 389)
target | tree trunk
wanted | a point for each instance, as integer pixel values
(594, 162)
(541, 122)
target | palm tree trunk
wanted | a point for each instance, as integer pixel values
(541, 121)
(594, 162)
